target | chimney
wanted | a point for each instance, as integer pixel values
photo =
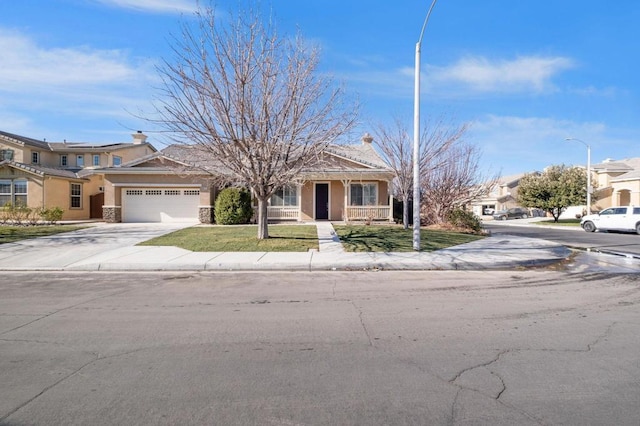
(139, 137)
(367, 139)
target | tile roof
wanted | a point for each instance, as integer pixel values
(21, 140)
(363, 154)
(67, 146)
(43, 171)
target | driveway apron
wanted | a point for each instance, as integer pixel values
(61, 250)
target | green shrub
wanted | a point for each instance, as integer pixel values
(464, 219)
(51, 215)
(20, 214)
(233, 207)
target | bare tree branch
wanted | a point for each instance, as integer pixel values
(251, 100)
(396, 145)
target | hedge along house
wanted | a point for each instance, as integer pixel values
(60, 174)
(179, 184)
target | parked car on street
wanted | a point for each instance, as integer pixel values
(513, 213)
(625, 218)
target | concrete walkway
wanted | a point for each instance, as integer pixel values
(112, 247)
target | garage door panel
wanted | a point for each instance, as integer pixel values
(160, 205)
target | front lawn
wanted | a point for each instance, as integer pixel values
(240, 238)
(389, 238)
(10, 234)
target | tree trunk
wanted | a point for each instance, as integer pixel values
(405, 211)
(263, 230)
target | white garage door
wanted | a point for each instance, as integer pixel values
(160, 205)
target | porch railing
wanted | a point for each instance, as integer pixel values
(367, 213)
(283, 213)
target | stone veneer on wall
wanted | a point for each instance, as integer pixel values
(112, 214)
(205, 214)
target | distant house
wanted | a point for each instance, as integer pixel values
(618, 183)
(503, 195)
(61, 174)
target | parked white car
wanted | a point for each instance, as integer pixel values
(613, 219)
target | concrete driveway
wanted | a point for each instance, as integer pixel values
(61, 250)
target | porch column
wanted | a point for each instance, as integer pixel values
(299, 197)
(345, 203)
(389, 183)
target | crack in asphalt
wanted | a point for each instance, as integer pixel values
(65, 378)
(64, 309)
(364, 327)
(589, 347)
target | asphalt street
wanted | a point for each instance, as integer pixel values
(606, 242)
(350, 348)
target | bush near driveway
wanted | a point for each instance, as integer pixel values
(233, 207)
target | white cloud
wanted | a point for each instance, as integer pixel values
(39, 84)
(523, 144)
(27, 66)
(159, 6)
(523, 74)
(466, 78)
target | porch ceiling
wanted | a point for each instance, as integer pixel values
(355, 175)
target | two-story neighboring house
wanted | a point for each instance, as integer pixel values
(503, 196)
(61, 174)
(618, 183)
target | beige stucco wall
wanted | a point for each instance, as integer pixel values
(306, 208)
(17, 151)
(336, 200)
(58, 194)
(626, 193)
(52, 159)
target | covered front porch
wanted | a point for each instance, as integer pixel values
(335, 200)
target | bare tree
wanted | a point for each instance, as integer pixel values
(454, 181)
(250, 100)
(396, 145)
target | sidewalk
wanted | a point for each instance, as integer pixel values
(112, 247)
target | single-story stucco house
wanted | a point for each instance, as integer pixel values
(177, 184)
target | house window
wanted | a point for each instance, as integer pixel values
(80, 160)
(6, 154)
(13, 191)
(117, 160)
(76, 196)
(96, 159)
(364, 194)
(64, 161)
(35, 158)
(285, 196)
(5, 192)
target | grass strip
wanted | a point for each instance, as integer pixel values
(389, 238)
(241, 238)
(11, 234)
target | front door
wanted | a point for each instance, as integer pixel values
(322, 201)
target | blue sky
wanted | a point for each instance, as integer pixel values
(526, 73)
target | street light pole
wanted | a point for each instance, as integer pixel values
(589, 189)
(416, 138)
